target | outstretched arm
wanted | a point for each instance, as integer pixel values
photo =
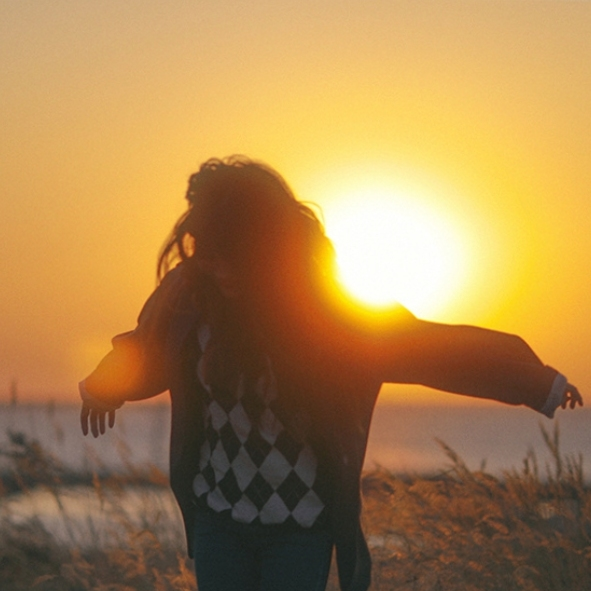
(473, 361)
(132, 370)
(142, 361)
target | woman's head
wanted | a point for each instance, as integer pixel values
(245, 230)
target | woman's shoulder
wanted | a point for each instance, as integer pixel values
(173, 295)
(177, 276)
(361, 318)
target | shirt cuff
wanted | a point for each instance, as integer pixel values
(555, 397)
(95, 403)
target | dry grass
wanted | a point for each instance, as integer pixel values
(459, 531)
(66, 533)
(470, 531)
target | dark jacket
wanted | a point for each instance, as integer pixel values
(340, 382)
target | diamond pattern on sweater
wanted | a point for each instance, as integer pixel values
(292, 490)
(307, 510)
(289, 448)
(249, 463)
(230, 441)
(259, 491)
(275, 468)
(255, 478)
(274, 510)
(228, 486)
(257, 447)
(240, 422)
(244, 468)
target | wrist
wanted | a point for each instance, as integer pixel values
(555, 397)
(96, 403)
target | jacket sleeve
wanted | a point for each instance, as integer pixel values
(464, 360)
(141, 362)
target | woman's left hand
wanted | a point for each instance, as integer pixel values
(571, 397)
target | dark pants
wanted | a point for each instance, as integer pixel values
(231, 556)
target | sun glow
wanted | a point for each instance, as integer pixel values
(392, 248)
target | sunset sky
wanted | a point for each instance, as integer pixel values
(468, 120)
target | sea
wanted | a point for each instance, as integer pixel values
(404, 438)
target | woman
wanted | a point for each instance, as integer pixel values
(273, 378)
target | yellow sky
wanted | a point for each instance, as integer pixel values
(479, 109)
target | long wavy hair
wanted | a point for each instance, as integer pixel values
(243, 212)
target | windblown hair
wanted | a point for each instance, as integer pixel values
(243, 212)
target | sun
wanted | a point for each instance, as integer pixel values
(391, 248)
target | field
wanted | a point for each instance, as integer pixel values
(457, 530)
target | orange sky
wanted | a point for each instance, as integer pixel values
(481, 107)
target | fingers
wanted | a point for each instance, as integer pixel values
(95, 421)
(572, 397)
(84, 413)
(575, 397)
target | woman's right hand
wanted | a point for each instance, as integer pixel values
(94, 413)
(94, 420)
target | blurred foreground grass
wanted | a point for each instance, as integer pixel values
(459, 530)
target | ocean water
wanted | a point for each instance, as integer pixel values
(139, 438)
(489, 435)
(402, 438)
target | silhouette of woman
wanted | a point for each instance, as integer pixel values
(273, 376)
